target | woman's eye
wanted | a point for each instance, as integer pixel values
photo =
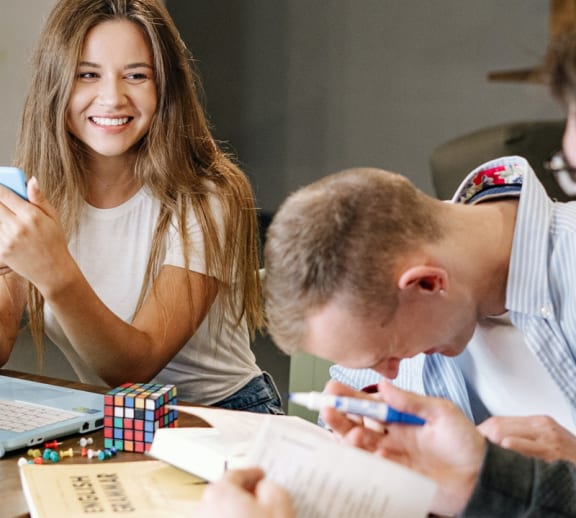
(137, 76)
(86, 75)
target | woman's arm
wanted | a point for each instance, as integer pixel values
(170, 315)
(12, 303)
(12, 285)
(35, 247)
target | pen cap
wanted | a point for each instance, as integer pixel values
(400, 417)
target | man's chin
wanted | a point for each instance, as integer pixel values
(450, 351)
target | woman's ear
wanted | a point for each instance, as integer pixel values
(429, 279)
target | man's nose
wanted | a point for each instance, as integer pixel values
(388, 368)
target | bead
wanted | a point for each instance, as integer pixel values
(85, 441)
(46, 454)
(38, 460)
(34, 452)
(67, 453)
(54, 456)
(104, 454)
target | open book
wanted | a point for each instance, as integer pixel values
(324, 477)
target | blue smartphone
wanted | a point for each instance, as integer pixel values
(15, 180)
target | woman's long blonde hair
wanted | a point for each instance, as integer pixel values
(178, 160)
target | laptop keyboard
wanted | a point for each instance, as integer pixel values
(18, 416)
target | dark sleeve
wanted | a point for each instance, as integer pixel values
(513, 485)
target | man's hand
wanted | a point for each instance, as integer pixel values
(448, 448)
(535, 436)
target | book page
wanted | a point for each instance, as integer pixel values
(241, 426)
(209, 452)
(328, 479)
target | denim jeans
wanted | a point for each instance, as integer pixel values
(258, 395)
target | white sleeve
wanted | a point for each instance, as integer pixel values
(196, 252)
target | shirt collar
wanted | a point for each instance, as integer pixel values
(499, 178)
(508, 177)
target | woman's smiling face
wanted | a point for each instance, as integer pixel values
(114, 96)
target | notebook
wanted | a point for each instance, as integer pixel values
(32, 412)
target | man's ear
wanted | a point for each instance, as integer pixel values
(430, 279)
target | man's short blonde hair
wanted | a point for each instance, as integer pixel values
(341, 237)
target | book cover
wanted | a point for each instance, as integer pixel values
(144, 489)
(205, 452)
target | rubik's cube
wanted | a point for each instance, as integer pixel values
(134, 411)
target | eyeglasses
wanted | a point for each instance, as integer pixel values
(557, 163)
(564, 173)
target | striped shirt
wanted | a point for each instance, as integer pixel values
(541, 289)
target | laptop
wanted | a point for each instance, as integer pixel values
(32, 412)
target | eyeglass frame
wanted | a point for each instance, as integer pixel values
(564, 173)
(557, 163)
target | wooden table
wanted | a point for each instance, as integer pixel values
(12, 499)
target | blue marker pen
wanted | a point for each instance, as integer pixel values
(363, 407)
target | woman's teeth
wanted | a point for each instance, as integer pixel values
(109, 122)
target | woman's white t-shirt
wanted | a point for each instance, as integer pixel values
(112, 247)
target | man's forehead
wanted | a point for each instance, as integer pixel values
(335, 333)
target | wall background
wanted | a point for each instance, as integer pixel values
(299, 89)
(302, 89)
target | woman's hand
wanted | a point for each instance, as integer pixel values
(32, 240)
